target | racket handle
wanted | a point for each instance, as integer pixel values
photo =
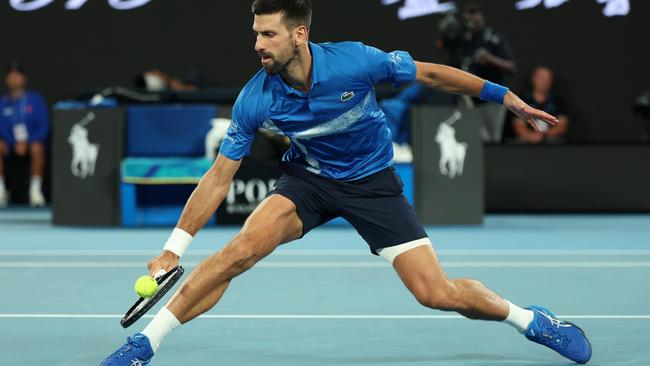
(159, 274)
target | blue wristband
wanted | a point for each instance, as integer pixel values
(493, 92)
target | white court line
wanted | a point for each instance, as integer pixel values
(326, 252)
(367, 264)
(297, 316)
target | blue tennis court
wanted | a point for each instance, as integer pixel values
(153, 124)
(325, 300)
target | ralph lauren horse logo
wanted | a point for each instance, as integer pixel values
(84, 153)
(452, 152)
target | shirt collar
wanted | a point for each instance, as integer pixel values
(318, 61)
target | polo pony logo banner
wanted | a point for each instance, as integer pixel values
(84, 153)
(215, 136)
(452, 152)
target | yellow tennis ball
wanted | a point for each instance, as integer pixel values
(146, 286)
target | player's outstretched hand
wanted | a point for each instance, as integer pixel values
(165, 261)
(526, 112)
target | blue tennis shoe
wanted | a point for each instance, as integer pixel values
(563, 337)
(135, 352)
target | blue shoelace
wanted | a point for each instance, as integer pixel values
(552, 337)
(130, 345)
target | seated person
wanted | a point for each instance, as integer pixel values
(542, 96)
(156, 80)
(24, 127)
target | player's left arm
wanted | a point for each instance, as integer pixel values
(452, 80)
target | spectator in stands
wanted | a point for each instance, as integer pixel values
(193, 79)
(485, 52)
(156, 80)
(542, 96)
(24, 128)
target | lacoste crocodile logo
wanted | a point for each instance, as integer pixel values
(347, 96)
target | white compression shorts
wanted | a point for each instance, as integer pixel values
(390, 253)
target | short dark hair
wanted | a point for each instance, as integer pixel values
(296, 12)
(17, 67)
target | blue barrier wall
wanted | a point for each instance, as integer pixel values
(168, 130)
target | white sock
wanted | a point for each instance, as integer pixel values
(160, 326)
(519, 318)
(36, 182)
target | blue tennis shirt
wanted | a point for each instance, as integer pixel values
(337, 130)
(29, 110)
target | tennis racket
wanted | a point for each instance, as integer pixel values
(165, 283)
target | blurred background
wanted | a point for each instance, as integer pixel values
(112, 109)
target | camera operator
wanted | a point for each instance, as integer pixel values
(485, 52)
(471, 45)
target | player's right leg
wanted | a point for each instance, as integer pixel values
(3, 189)
(274, 221)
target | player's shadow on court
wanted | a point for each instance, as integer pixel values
(493, 359)
(456, 359)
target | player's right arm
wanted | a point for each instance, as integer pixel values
(215, 184)
(204, 201)
(208, 195)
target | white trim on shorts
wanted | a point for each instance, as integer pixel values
(390, 253)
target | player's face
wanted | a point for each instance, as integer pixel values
(275, 43)
(15, 80)
(542, 79)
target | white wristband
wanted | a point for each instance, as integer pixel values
(178, 242)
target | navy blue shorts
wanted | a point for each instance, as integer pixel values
(374, 205)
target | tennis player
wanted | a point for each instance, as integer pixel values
(322, 97)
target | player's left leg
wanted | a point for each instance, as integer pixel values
(422, 274)
(37, 161)
(376, 207)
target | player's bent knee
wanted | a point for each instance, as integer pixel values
(441, 297)
(244, 251)
(245, 257)
(238, 258)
